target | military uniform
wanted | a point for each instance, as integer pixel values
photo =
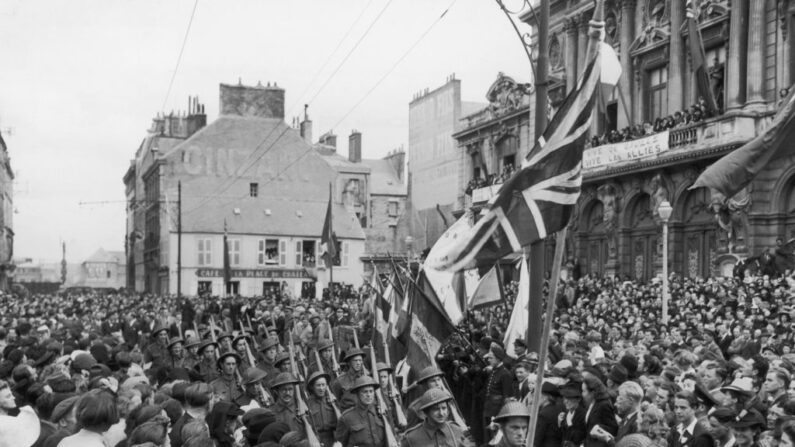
(323, 417)
(286, 413)
(341, 388)
(360, 426)
(157, 354)
(207, 369)
(428, 434)
(227, 389)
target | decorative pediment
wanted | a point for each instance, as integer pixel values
(650, 35)
(506, 95)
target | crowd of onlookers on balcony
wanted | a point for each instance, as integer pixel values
(694, 114)
(490, 179)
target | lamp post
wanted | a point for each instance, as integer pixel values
(664, 210)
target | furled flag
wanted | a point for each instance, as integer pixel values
(489, 290)
(698, 59)
(539, 199)
(737, 169)
(387, 305)
(428, 325)
(517, 326)
(328, 239)
(227, 268)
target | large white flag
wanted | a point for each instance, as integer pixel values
(517, 328)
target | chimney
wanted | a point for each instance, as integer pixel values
(196, 118)
(397, 159)
(329, 139)
(355, 147)
(259, 101)
(306, 126)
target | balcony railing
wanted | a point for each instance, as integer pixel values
(697, 138)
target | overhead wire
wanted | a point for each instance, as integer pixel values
(179, 57)
(397, 62)
(336, 70)
(355, 46)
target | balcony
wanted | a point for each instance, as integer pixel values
(706, 139)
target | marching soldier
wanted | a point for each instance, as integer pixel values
(429, 378)
(282, 363)
(345, 382)
(225, 342)
(361, 425)
(176, 354)
(514, 420)
(326, 351)
(321, 407)
(157, 352)
(436, 430)
(226, 387)
(207, 367)
(239, 343)
(253, 381)
(269, 350)
(283, 386)
(192, 354)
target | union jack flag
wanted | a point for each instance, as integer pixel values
(539, 199)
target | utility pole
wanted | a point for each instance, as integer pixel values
(179, 239)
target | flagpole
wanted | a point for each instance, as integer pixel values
(331, 241)
(537, 249)
(560, 244)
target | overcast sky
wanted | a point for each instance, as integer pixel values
(81, 81)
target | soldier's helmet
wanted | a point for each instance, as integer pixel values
(512, 409)
(434, 396)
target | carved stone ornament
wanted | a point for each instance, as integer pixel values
(656, 24)
(555, 52)
(712, 9)
(506, 95)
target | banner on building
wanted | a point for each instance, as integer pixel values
(601, 157)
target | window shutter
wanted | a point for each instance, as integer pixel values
(299, 249)
(282, 252)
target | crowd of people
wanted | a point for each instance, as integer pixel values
(150, 370)
(694, 114)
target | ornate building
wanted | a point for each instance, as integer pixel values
(655, 136)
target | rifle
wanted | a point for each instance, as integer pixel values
(301, 409)
(329, 395)
(335, 367)
(265, 396)
(393, 392)
(254, 337)
(389, 434)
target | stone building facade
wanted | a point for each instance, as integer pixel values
(654, 139)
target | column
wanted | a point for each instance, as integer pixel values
(789, 26)
(582, 43)
(570, 26)
(676, 59)
(737, 57)
(625, 83)
(755, 80)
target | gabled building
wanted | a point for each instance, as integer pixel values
(250, 176)
(375, 191)
(103, 269)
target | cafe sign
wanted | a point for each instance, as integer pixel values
(256, 273)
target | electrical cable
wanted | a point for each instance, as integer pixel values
(179, 58)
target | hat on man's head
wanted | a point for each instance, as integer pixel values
(750, 419)
(618, 374)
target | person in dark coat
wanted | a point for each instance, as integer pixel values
(572, 419)
(499, 385)
(548, 433)
(630, 395)
(688, 431)
(600, 415)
